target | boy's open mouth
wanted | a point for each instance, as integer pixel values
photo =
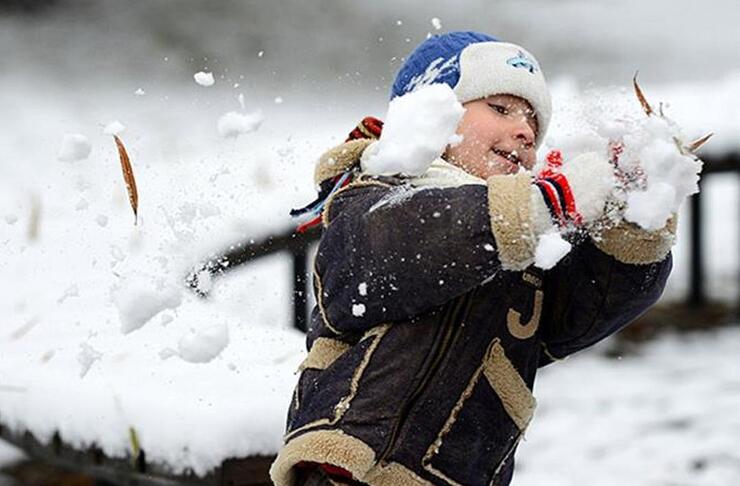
(510, 156)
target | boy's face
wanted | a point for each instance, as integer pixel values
(498, 137)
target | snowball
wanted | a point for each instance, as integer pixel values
(233, 124)
(139, 92)
(550, 249)
(278, 100)
(362, 288)
(205, 344)
(436, 23)
(102, 220)
(11, 218)
(74, 147)
(358, 310)
(260, 53)
(138, 304)
(114, 128)
(418, 127)
(204, 79)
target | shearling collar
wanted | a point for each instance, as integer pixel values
(443, 174)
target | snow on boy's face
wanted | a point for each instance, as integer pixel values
(498, 137)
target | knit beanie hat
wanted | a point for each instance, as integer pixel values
(475, 66)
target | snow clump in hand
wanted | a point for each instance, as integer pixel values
(657, 173)
(74, 147)
(205, 344)
(418, 127)
(204, 79)
(233, 124)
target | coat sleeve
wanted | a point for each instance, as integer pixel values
(393, 253)
(603, 285)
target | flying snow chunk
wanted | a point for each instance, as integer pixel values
(139, 92)
(204, 79)
(138, 304)
(233, 124)
(86, 357)
(362, 288)
(358, 310)
(114, 128)
(436, 23)
(205, 344)
(74, 147)
(418, 127)
(550, 249)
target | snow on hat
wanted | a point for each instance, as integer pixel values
(475, 66)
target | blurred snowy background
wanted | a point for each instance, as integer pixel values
(97, 333)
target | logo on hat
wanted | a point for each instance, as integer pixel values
(435, 71)
(522, 61)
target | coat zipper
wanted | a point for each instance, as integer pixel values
(448, 333)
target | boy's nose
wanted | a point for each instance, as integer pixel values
(522, 132)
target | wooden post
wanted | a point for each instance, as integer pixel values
(697, 296)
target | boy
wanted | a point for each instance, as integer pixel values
(431, 320)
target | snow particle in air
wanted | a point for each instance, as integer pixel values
(358, 310)
(203, 78)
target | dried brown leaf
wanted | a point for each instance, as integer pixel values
(696, 144)
(128, 177)
(643, 101)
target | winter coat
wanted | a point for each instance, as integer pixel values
(430, 326)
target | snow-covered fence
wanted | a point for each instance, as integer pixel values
(297, 244)
(93, 463)
(727, 163)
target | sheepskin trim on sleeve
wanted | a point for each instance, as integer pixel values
(324, 352)
(338, 159)
(509, 199)
(630, 244)
(510, 387)
(322, 446)
(394, 474)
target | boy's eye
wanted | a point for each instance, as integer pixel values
(499, 108)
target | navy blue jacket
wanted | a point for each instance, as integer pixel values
(423, 350)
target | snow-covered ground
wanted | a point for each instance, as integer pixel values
(98, 334)
(666, 416)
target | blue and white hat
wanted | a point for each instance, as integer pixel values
(475, 66)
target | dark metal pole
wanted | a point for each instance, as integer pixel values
(696, 292)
